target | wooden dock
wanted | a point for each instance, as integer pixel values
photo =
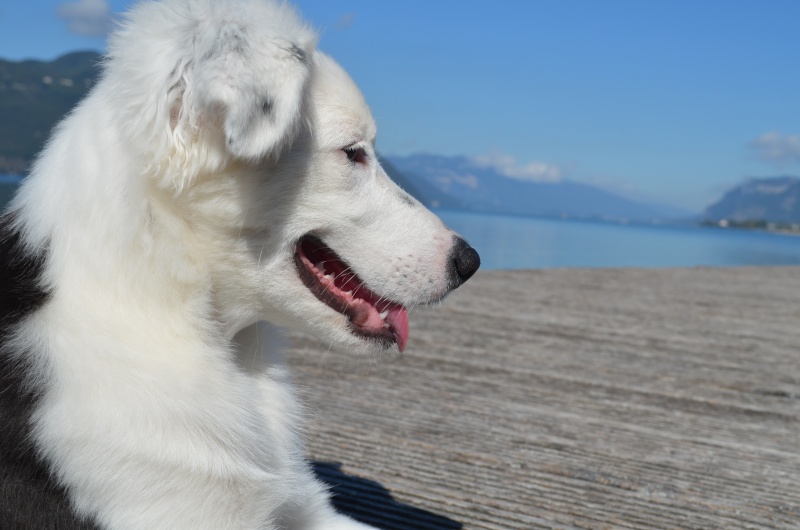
(597, 399)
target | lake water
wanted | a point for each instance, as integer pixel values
(522, 243)
(7, 186)
(506, 242)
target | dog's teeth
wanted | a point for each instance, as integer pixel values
(329, 277)
(320, 267)
(348, 293)
(384, 314)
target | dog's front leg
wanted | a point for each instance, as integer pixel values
(311, 509)
(330, 520)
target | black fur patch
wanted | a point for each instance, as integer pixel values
(407, 199)
(299, 54)
(29, 497)
(229, 41)
(266, 105)
(19, 277)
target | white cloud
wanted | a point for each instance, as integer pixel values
(507, 166)
(470, 181)
(345, 21)
(448, 177)
(776, 148)
(86, 17)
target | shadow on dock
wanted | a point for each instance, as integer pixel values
(369, 502)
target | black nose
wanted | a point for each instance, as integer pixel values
(464, 261)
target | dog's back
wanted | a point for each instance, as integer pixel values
(29, 497)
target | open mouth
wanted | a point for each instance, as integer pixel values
(335, 284)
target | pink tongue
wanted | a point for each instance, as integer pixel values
(398, 320)
(367, 317)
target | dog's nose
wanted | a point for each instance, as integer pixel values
(464, 261)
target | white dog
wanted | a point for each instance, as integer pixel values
(221, 175)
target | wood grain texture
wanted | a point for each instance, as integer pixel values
(605, 398)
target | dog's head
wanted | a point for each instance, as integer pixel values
(267, 149)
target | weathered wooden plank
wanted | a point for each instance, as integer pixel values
(616, 398)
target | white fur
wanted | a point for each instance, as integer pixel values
(170, 202)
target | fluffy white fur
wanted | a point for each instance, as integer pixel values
(170, 202)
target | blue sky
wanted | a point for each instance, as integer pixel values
(668, 101)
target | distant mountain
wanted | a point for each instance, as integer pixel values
(773, 200)
(34, 96)
(460, 182)
(421, 189)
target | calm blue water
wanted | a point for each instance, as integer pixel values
(527, 243)
(523, 243)
(8, 184)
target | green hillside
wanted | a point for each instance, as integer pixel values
(34, 96)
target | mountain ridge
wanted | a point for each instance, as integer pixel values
(768, 199)
(477, 187)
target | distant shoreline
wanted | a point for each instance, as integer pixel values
(790, 229)
(753, 226)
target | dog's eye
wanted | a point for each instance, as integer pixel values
(357, 155)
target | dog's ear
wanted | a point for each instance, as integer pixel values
(253, 85)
